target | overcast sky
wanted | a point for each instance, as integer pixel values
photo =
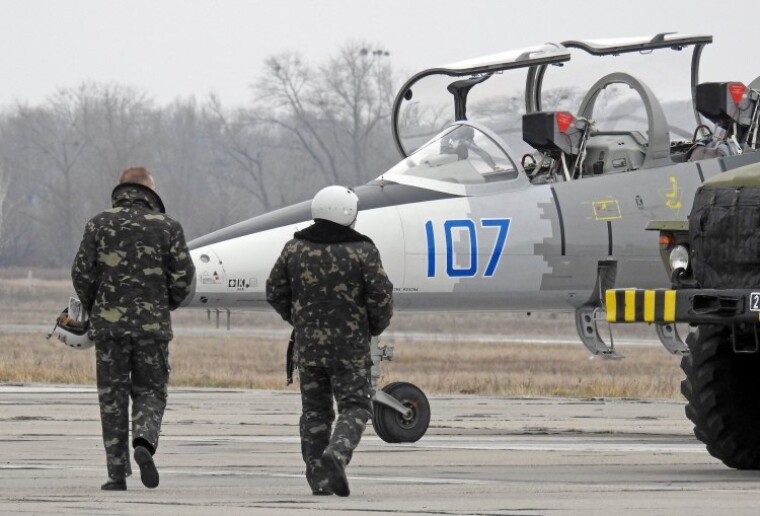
(181, 48)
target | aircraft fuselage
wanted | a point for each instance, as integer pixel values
(512, 245)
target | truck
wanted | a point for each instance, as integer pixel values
(713, 259)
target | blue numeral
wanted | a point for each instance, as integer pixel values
(501, 238)
(466, 224)
(431, 248)
(473, 268)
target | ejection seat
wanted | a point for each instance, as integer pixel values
(622, 151)
(567, 139)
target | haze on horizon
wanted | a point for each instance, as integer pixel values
(178, 49)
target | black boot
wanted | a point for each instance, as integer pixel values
(115, 484)
(315, 476)
(148, 471)
(336, 474)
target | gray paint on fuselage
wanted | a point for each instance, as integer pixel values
(604, 219)
(515, 284)
(373, 195)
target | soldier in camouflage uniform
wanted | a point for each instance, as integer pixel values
(329, 283)
(132, 268)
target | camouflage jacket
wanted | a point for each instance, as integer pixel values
(133, 266)
(329, 283)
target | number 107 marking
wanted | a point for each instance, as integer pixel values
(468, 226)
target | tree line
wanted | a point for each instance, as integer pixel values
(309, 126)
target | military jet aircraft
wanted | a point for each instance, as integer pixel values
(467, 222)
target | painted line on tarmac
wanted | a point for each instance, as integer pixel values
(265, 474)
(567, 443)
(194, 472)
(390, 337)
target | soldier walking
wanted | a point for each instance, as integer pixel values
(132, 268)
(329, 283)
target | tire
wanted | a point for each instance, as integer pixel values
(377, 416)
(391, 426)
(722, 390)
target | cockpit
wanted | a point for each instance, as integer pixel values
(462, 153)
(466, 124)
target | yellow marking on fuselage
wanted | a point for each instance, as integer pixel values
(606, 210)
(673, 201)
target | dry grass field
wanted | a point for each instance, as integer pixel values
(222, 359)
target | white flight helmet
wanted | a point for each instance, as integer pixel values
(71, 332)
(335, 203)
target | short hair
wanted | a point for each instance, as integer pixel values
(139, 175)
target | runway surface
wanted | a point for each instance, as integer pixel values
(389, 337)
(237, 452)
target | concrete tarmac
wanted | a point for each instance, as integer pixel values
(237, 452)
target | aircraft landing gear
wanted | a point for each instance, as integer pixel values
(671, 339)
(586, 319)
(400, 410)
(590, 314)
(405, 417)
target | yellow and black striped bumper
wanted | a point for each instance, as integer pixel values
(641, 305)
(698, 306)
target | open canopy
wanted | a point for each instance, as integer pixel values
(496, 90)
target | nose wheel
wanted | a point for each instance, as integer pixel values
(400, 413)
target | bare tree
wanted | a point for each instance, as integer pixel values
(291, 97)
(119, 125)
(4, 180)
(356, 91)
(55, 148)
(179, 163)
(239, 141)
(16, 229)
(68, 153)
(310, 126)
(333, 113)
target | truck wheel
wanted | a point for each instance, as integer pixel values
(722, 389)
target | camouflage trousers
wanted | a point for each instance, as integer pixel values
(350, 385)
(137, 368)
